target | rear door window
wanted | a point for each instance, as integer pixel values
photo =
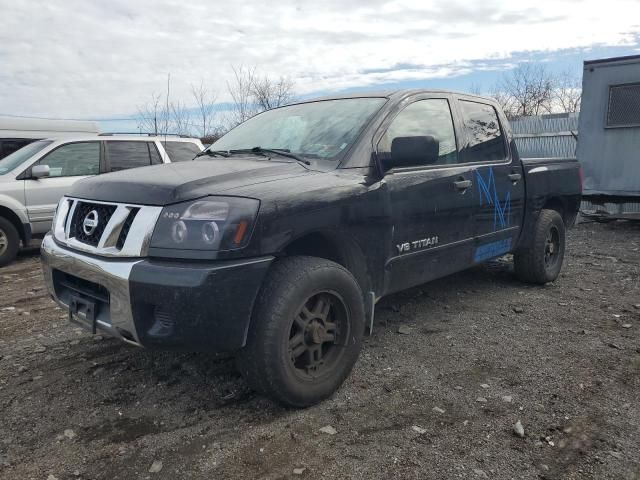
(486, 142)
(123, 155)
(73, 159)
(181, 151)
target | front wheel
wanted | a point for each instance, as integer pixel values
(542, 260)
(9, 242)
(306, 331)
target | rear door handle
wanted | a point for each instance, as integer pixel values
(462, 184)
(515, 177)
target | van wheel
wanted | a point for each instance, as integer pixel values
(306, 331)
(542, 260)
(9, 242)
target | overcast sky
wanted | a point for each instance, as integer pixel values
(88, 58)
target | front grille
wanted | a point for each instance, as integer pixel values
(112, 229)
(104, 213)
(126, 227)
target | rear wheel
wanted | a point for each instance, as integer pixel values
(306, 331)
(542, 261)
(9, 242)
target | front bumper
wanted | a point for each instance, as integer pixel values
(155, 303)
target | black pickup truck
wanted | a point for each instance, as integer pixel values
(277, 242)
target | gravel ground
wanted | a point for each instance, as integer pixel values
(479, 352)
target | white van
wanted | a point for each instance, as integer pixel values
(16, 132)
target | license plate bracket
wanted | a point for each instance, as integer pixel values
(79, 305)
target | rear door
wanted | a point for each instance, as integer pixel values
(67, 164)
(499, 179)
(126, 154)
(431, 205)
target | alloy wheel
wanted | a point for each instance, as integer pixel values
(317, 336)
(552, 247)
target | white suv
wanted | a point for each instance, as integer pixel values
(35, 177)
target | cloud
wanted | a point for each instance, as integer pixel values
(92, 58)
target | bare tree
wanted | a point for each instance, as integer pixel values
(568, 93)
(252, 93)
(153, 117)
(179, 119)
(475, 89)
(504, 100)
(270, 93)
(526, 90)
(163, 116)
(205, 103)
(241, 90)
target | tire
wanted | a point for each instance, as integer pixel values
(304, 302)
(9, 242)
(541, 262)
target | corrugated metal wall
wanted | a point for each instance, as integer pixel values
(546, 136)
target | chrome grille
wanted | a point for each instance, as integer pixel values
(124, 233)
(122, 230)
(104, 214)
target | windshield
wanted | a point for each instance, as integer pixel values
(12, 161)
(318, 129)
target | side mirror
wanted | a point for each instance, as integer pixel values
(411, 151)
(40, 171)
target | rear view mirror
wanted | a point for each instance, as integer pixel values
(40, 171)
(411, 151)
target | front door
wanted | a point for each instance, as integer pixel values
(67, 164)
(431, 205)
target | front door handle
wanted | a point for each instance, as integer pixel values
(462, 184)
(515, 177)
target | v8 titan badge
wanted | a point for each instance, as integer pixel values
(417, 245)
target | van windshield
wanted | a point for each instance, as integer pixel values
(322, 130)
(10, 162)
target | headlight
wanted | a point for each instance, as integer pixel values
(212, 223)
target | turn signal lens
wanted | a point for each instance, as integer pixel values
(240, 232)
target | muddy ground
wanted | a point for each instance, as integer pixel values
(483, 352)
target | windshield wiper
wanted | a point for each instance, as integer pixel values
(278, 151)
(212, 153)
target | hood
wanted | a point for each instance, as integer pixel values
(177, 182)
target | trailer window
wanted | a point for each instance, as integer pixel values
(624, 105)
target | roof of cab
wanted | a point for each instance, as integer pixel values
(132, 138)
(391, 94)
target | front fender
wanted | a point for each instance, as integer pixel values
(16, 207)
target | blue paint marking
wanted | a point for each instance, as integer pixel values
(489, 194)
(492, 250)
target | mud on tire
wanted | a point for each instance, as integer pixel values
(306, 331)
(541, 261)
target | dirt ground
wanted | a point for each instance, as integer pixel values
(482, 352)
